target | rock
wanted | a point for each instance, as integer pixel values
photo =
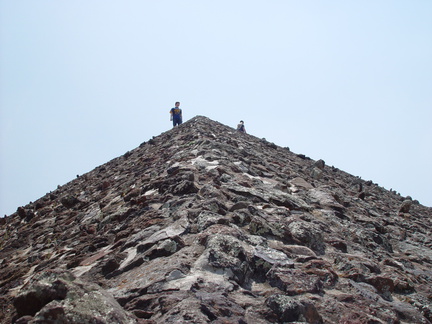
(293, 250)
(323, 198)
(384, 285)
(405, 206)
(208, 218)
(292, 310)
(60, 297)
(41, 293)
(26, 215)
(301, 183)
(316, 173)
(340, 245)
(308, 234)
(179, 183)
(172, 231)
(228, 254)
(320, 164)
(259, 226)
(294, 281)
(239, 205)
(69, 201)
(110, 266)
(132, 194)
(164, 248)
(323, 270)
(21, 212)
(264, 259)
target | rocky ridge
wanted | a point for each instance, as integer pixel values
(203, 224)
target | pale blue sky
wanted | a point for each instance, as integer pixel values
(82, 82)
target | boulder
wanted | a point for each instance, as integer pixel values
(289, 309)
(320, 164)
(69, 201)
(55, 296)
(308, 234)
(405, 206)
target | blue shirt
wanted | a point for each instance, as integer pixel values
(176, 113)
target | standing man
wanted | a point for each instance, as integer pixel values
(176, 114)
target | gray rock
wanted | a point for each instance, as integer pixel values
(316, 173)
(308, 234)
(62, 298)
(301, 183)
(320, 164)
(69, 201)
(292, 310)
(405, 206)
(228, 254)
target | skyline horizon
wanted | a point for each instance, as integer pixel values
(306, 155)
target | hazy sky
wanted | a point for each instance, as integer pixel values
(82, 82)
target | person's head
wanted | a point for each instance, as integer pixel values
(177, 104)
(241, 122)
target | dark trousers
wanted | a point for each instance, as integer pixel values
(176, 121)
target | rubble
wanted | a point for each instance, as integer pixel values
(202, 224)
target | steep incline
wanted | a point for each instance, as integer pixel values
(203, 224)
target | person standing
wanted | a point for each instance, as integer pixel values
(176, 115)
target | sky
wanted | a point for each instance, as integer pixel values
(83, 82)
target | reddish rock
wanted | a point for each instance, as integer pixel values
(295, 282)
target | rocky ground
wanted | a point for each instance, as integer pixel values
(203, 224)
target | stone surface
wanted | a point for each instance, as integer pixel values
(202, 224)
(59, 297)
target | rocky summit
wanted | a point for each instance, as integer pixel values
(203, 224)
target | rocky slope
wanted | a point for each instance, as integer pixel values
(203, 224)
